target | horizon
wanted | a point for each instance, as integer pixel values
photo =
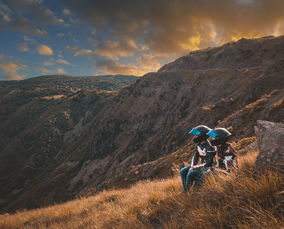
(40, 37)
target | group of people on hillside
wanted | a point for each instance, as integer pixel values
(213, 154)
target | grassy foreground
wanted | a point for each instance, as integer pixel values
(249, 199)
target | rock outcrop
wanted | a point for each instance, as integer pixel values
(270, 138)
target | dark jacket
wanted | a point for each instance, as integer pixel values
(226, 157)
(204, 155)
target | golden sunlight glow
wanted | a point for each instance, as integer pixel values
(279, 29)
(192, 43)
(237, 37)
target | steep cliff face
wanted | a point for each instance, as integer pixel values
(230, 86)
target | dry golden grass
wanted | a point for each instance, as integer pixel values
(249, 199)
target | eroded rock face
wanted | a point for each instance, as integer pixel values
(270, 138)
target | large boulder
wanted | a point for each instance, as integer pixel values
(270, 138)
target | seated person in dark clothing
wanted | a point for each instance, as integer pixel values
(202, 161)
(226, 156)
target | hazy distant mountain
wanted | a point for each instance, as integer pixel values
(89, 140)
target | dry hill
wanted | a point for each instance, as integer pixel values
(139, 129)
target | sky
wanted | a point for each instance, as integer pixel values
(132, 37)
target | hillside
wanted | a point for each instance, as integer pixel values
(251, 197)
(141, 130)
(38, 115)
(149, 119)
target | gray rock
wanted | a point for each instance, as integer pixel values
(270, 138)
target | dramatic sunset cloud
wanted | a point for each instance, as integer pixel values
(128, 36)
(171, 27)
(44, 50)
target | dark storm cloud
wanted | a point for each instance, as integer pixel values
(175, 26)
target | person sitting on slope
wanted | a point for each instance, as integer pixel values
(202, 161)
(226, 156)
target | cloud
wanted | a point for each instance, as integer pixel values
(60, 70)
(43, 16)
(61, 61)
(22, 25)
(28, 39)
(10, 68)
(52, 62)
(23, 47)
(2, 56)
(147, 63)
(5, 13)
(78, 51)
(34, 10)
(66, 12)
(27, 16)
(47, 63)
(142, 65)
(175, 27)
(113, 49)
(43, 70)
(112, 67)
(44, 50)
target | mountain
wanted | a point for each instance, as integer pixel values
(241, 55)
(154, 114)
(141, 131)
(250, 196)
(38, 115)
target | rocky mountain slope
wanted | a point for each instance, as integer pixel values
(251, 195)
(168, 103)
(141, 131)
(38, 115)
